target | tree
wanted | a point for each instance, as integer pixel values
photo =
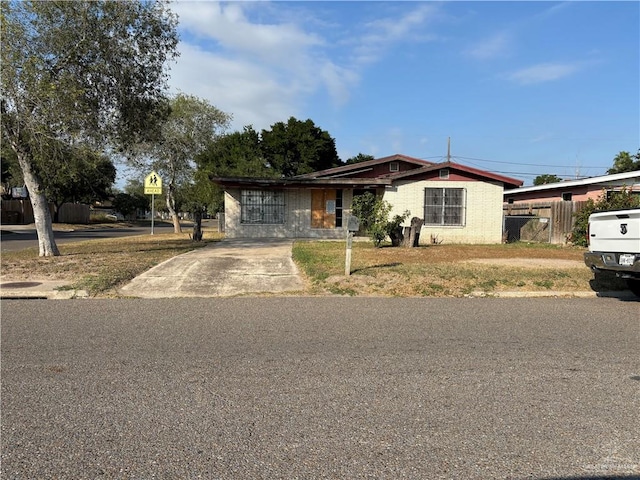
(296, 147)
(83, 176)
(546, 178)
(625, 162)
(373, 213)
(361, 157)
(128, 204)
(191, 125)
(606, 201)
(236, 154)
(79, 72)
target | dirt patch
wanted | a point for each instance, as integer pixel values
(530, 262)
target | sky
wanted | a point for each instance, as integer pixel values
(520, 88)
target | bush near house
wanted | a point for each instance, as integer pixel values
(606, 201)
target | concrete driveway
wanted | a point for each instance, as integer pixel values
(227, 268)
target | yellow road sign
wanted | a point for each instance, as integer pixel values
(153, 184)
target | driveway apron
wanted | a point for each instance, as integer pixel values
(226, 268)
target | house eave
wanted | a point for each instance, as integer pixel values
(604, 180)
(291, 182)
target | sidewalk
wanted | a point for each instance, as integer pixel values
(38, 289)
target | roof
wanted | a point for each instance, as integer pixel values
(604, 179)
(507, 181)
(355, 167)
(341, 176)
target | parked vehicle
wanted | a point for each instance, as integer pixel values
(614, 245)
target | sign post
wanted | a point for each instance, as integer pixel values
(353, 225)
(153, 187)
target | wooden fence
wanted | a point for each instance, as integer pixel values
(20, 212)
(556, 217)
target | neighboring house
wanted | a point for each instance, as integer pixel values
(459, 204)
(574, 190)
(547, 212)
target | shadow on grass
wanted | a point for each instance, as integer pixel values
(375, 267)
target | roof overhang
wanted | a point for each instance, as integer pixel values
(628, 178)
(290, 182)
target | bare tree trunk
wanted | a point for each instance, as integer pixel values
(171, 206)
(46, 242)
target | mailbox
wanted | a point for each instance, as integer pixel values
(353, 223)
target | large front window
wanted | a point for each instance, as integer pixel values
(262, 206)
(444, 206)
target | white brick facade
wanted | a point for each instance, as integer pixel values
(483, 222)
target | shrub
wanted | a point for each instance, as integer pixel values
(373, 213)
(615, 201)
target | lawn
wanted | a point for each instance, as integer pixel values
(446, 270)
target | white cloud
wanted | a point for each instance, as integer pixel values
(262, 64)
(544, 72)
(244, 89)
(489, 48)
(259, 72)
(383, 33)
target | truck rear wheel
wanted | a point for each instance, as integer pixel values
(634, 286)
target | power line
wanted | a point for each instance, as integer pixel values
(514, 163)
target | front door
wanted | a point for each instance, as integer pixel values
(323, 208)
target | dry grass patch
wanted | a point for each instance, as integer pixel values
(443, 270)
(99, 266)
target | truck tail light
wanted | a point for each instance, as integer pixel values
(588, 236)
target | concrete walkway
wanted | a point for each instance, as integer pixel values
(227, 268)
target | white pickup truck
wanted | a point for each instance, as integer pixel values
(614, 245)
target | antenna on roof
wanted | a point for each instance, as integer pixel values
(449, 149)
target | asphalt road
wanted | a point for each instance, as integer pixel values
(21, 239)
(266, 388)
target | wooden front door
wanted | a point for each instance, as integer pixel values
(323, 208)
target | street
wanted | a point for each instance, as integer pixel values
(265, 388)
(22, 238)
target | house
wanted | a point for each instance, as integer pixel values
(547, 212)
(459, 204)
(574, 190)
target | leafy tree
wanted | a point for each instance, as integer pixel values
(128, 204)
(546, 178)
(236, 154)
(84, 176)
(79, 72)
(297, 147)
(10, 174)
(191, 125)
(361, 157)
(612, 201)
(625, 162)
(373, 213)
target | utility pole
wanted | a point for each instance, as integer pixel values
(449, 149)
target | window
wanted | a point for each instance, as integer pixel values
(262, 206)
(567, 196)
(394, 166)
(338, 208)
(444, 206)
(444, 174)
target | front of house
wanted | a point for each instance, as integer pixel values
(459, 204)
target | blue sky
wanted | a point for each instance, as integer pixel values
(522, 88)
